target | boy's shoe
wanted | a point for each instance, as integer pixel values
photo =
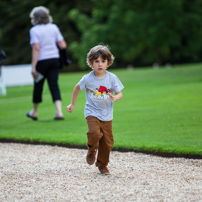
(90, 158)
(104, 170)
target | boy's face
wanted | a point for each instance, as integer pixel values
(100, 65)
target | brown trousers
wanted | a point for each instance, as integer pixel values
(100, 137)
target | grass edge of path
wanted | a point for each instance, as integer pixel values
(160, 154)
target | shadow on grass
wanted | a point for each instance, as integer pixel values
(46, 120)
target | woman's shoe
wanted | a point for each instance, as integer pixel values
(32, 117)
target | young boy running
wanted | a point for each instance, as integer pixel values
(100, 85)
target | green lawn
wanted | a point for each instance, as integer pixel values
(161, 111)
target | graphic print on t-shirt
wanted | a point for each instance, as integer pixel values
(100, 93)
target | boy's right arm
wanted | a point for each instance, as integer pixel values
(74, 97)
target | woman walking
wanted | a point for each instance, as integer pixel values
(45, 38)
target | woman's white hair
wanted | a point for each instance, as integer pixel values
(40, 15)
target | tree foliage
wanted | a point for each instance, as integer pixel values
(141, 33)
(138, 32)
(15, 24)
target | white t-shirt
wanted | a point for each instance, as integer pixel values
(98, 102)
(46, 35)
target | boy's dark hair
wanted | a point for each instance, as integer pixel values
(97, 51)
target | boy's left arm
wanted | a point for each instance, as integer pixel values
(116, 97)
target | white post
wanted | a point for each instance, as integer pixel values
(2, 85)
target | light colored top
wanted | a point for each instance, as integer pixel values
(46, 35)
(98, 102)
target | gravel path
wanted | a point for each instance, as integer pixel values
(46, 173)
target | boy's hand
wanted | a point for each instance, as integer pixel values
(70, 108)
(117, 97)
(113, 98)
